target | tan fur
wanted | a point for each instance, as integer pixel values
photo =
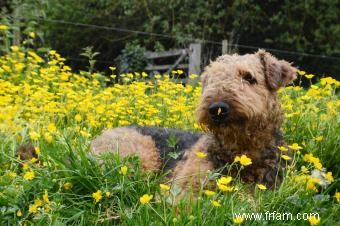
(126, 141)
(193, 170)
(255, 114)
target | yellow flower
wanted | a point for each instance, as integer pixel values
(97, 196)
(37, 150)
(295, 147)
(164, 187)
(33, 160)
(224, 187)
(48, 137)
(318, 165)
(304, 170)
(216, 203)
(301, 72)
(123, 170)
(107, 194)
(31, 34)
(337, 196)
(145, 199)
(311, 184)
(282, 148)
(209, 193)
(319, 138)
(68, 185)
(3, 27)
(238, 220)
(19, 213)
(286, 157)
(313, 220)
(100, 109)
(201, 154)
(310, 76)
(34, 135)
(316, 161)
(15, 48)
(261, 186)
(12, 174)
(25, 166)
(33, 209)
(45, 197)
(225, 180)
(244, 160)
(329, 177)
(77, 117)
(193, 76)
(51, 128)
(38, 202)
(29, 175)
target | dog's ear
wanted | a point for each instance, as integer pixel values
(278, 73)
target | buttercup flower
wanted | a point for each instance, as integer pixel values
(19, 213)
(216, 203)
(200, 154)
(282, 148)
(286, 157)
(123, 170)
(244, 160)
(313, 220)
(295, 147)
(337, 196)
(261, 186)
(68, 185)
(238, 220)
(97, 196)
(319, 138)
(209, 193)
(29, 175)
(145, 199)
(164, 187)
(225, 180)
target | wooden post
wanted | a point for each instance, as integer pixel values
(195, 50)
(225, 47)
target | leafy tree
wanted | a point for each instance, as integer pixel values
(292, 25)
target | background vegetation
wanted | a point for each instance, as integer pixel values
(301, 26)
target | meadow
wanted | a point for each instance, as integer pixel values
(44, 103)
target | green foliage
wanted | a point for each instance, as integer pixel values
(132, 58)
(88, 53)
(303, 26)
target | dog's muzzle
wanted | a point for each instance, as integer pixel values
(219, 112)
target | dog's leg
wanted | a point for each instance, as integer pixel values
(192, 170)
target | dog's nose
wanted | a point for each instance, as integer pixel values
(219, 111)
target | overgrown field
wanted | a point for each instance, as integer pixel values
(59, 112)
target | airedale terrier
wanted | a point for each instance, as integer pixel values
(241, 114)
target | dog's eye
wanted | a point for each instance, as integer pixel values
(249, 78)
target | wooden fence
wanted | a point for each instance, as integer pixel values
(189, 60)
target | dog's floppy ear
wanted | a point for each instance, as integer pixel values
(278, 73)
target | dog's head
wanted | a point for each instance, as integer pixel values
(241, 89)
